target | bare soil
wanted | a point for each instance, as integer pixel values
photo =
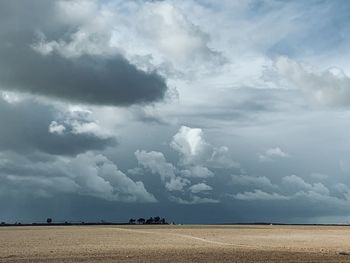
(190, 243)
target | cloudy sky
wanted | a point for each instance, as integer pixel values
(199, 111)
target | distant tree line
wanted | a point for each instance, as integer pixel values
(141, 221)
(149, 221)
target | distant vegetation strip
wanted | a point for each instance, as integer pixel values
(150, 221)
(49, 222)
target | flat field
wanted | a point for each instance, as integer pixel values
(188, 243)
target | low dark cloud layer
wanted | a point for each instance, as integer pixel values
(23, 130)
(85, 78)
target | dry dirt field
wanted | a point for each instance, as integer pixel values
(175, 244)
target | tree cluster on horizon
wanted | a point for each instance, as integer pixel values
(149, 221)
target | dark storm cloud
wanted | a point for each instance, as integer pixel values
(25, 128)
(92, 79)
(87, 79)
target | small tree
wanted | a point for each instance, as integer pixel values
(150, 220)
(157, 220)
(162, 221)
(141, 220)
(132, 221)
(49, 220)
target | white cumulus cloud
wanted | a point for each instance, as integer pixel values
(272, 154)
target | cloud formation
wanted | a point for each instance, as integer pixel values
(271, 154)
(197, 188)
(225, 126)
(156, 162)
(194, 150)
(329, 87)
(72, 73)
(87, 174)
(293, 188)
(38, 129)
(187, 181)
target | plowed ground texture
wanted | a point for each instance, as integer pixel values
(172, 243)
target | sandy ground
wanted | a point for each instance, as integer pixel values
(175, 244)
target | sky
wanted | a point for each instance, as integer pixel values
(199, 111)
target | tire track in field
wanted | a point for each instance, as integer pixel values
(203, 239)
(185, 236)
